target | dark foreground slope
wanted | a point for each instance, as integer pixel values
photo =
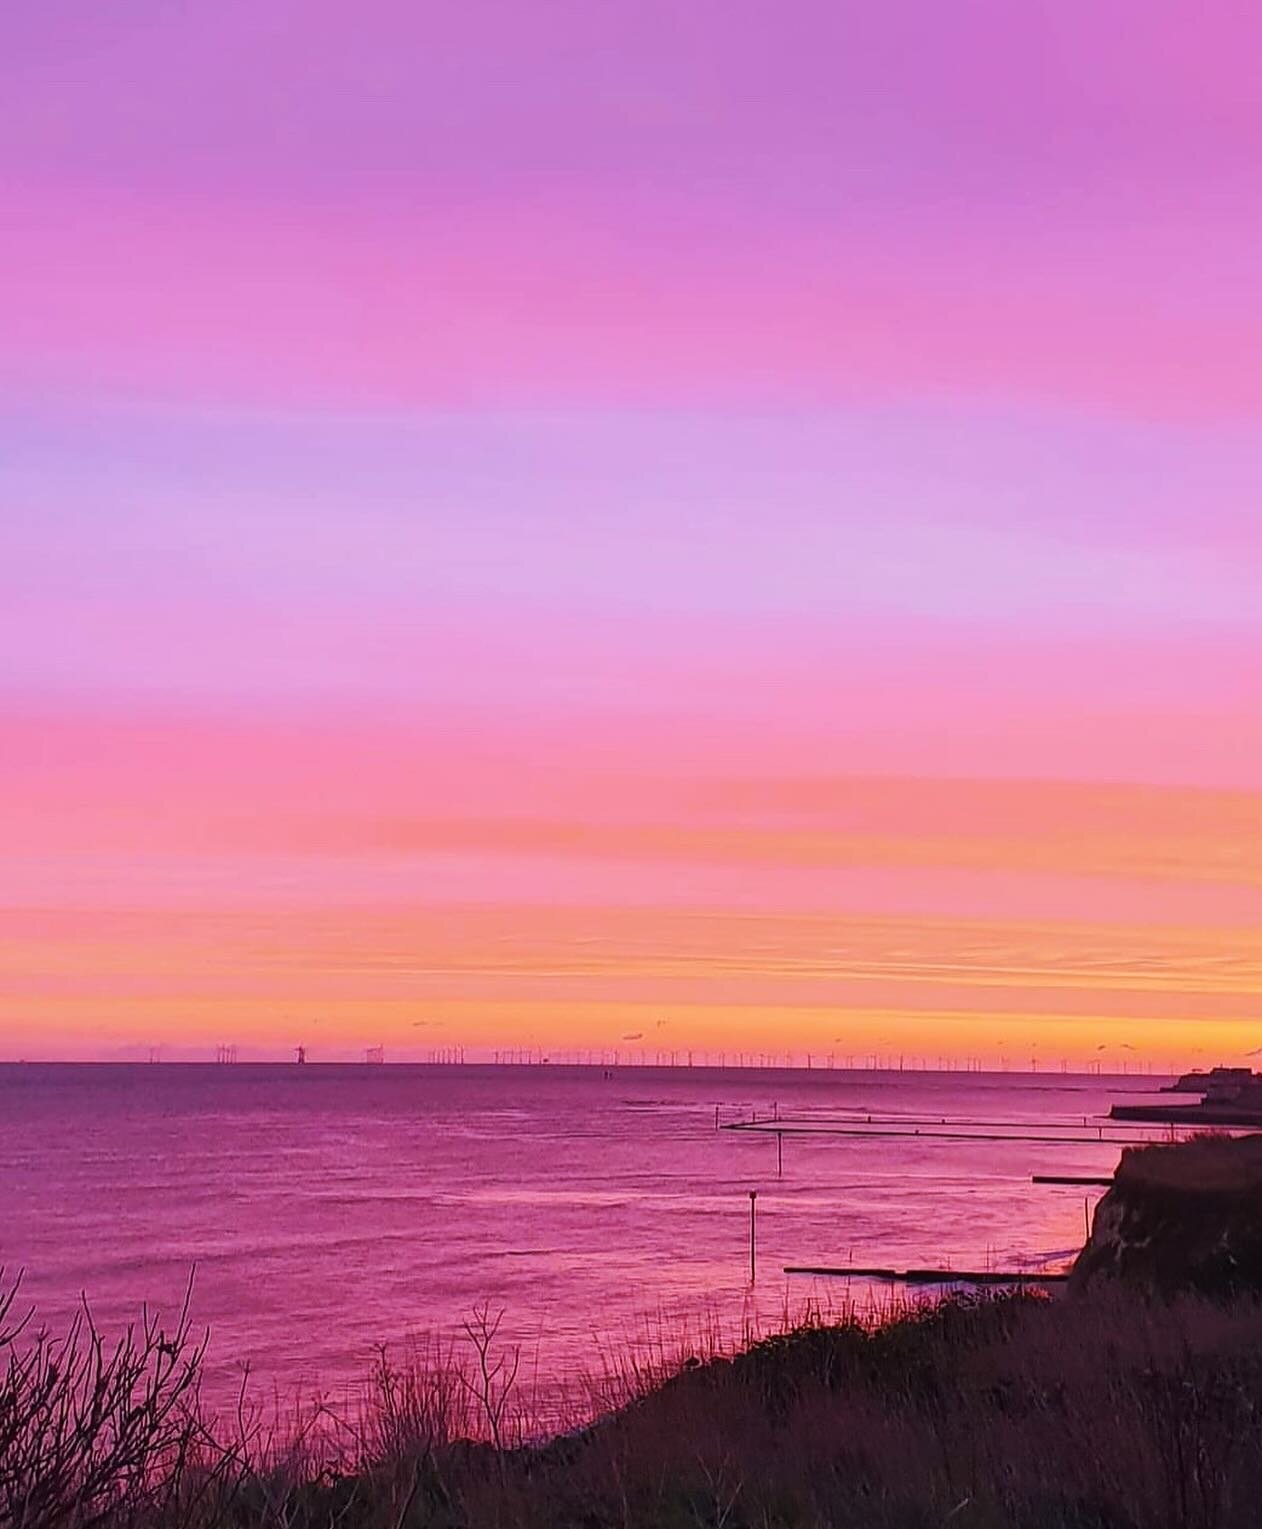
(1101, 1413)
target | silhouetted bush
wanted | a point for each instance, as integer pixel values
(94, 1433)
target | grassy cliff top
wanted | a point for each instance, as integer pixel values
(1208, 1164)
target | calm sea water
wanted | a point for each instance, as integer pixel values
(331, 1209)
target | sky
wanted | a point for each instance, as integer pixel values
(647, 527)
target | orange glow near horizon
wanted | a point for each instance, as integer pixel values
(528, 524)
(280, 891)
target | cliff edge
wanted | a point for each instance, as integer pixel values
(1183, 1217)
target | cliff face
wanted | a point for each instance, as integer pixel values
(1186, 1217)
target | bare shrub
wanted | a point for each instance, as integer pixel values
(94, 1432)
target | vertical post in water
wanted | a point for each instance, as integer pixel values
(779, 1154)
(753, 1236)
(716, 1117)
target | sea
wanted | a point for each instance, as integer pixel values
(323, 1212)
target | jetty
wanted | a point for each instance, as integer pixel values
(1080, 1130)
(932, 1276)
(1092, 1180)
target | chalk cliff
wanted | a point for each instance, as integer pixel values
(1185, 1217)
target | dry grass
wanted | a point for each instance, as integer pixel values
(1007, 1413)
(1208, 1163)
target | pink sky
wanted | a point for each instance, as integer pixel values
(670, 481)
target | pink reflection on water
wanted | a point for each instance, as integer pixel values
(330, 1209)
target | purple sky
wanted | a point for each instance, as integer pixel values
(696, 391)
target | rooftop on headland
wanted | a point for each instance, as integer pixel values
(1218, 1080)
